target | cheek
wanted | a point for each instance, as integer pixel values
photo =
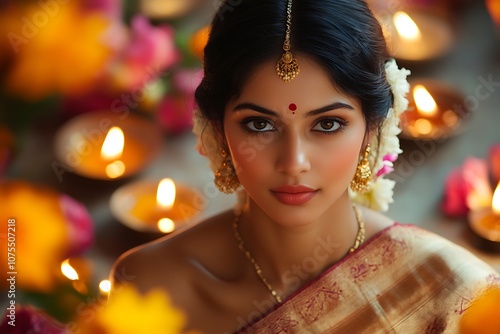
(340, 165)
(251, 156)
(344, 161)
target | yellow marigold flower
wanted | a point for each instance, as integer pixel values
(482, 316)
(55, 50)
(128, 312)
(33, 235)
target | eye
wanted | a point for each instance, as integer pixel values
(328, 125)
(258, 125)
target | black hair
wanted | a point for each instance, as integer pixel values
(343, 36)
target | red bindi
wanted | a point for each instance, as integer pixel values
(292, 107)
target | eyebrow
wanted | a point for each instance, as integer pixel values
(330, 107)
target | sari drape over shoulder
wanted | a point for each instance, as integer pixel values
(403, 280)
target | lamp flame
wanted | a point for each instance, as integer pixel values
(112, 148)
(69, 271)
(405, 26)
(166, 225)
(165, 195)
(495, 203)
(115, 169)
(425, 102)
(105, 286)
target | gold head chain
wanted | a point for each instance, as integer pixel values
(287, 67)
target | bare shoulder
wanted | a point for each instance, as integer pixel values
(176, 263)
(375, 221)
(201, 269)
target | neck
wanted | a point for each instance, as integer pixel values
(291, 256)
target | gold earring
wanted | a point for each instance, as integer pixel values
(226, 179)
(361, 180)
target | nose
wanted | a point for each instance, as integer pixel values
(293, 156)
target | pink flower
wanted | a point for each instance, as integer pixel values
(149, 51)
(112, 8)
(188, 80)
(390, 157)
(494, 162)
(479, 192)
(466, 187)
(29, 320)
(80, 225)
(115, 36)
(175, 112)
(388, 166)
(454, 202)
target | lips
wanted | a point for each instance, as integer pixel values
(294, 195)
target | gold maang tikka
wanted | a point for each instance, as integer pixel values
(287, 67)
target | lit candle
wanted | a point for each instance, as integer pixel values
(166, 225)
(105, 287)
(406, 27)
(111, 152)
(165, 194)
(486, 222)
(106, 145)
(435, 111)
(417, 35)
(156, 206)
(78, 279)
(68, 270)
(165, 198)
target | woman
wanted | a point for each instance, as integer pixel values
(298, 113)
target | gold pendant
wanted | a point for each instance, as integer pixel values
(287, 67)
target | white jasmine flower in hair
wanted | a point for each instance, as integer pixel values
(386, 148)
(378, 197)
(399, 85)
(389, 141)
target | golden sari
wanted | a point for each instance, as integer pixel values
(402, 280)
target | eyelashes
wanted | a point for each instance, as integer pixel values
(329, 125)
(257, 124)
(324, 125)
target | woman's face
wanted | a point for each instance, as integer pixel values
(295, 145)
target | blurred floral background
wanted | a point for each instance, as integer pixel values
(62, 59)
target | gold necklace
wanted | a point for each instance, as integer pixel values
(360, 237)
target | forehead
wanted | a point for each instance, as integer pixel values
(312, 88)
